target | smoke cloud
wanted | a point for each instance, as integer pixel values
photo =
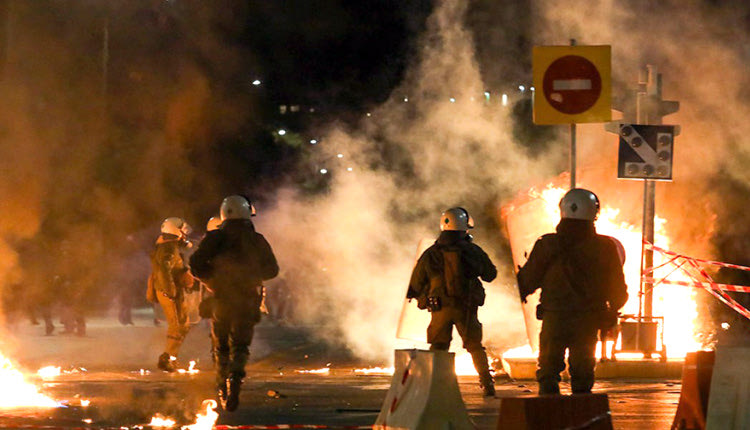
(106, 128)
(435, 144)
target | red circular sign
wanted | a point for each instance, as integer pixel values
(572, 84)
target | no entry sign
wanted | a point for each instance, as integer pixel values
(572, 84)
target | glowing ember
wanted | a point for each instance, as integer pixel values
(323, 371)
(49, 371)
(375, 371)
(191, 370)
(161, 421)
(205, 421)
(17, 392)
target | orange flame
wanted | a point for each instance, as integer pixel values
(17, 392)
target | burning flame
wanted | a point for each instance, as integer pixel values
(202, 421)
(322, 371)
(205, 421)
(49, 372)
(464, 365)
(375, 371)
(191, 370)
(160, 421)
(17, 392)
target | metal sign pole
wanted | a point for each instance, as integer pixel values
(646, 115)
(572, 144)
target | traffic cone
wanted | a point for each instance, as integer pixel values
(579, 411)
(696, 385)
(424, 394)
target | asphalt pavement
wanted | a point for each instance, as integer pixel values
(113, 367)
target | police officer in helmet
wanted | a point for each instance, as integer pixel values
(233, 261)
(168, 285)
(446, 281)
(583, 287)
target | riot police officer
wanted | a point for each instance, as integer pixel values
(233, 261)
(170, 280)
(446, 282)
(583, 288)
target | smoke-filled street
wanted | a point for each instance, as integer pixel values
(124, 389)
(554, 190)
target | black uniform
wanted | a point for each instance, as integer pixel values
(233, 262)
(445, 281)
(583, 285)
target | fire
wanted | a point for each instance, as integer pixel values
(463, 364)
(676, 304)
(322, 371)
(49, 372)
(160, 421)
(191, 370)
(375, 371)
(205, 421)
(16, 392)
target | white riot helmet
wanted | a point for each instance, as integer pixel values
(456, 219)
(213, 223)
(579, 203)
(236, 207)
(175, 226)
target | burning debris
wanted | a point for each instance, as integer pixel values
(191, 370)
(17, 392)
(375, 371)
(203, 421)
(322, 371)
(48, 372)
(161, 421)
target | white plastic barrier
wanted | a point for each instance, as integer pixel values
(424, 394)
(729, 400)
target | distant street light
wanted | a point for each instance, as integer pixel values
(256, 82)
(323, 171)
(281, 132)
(313, 142)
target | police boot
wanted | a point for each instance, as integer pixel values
(166, 363)
(479, 357)
(221, 389)
(488, 387)
(234, 386)
(548, 387)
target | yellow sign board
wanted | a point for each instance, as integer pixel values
(572, 84)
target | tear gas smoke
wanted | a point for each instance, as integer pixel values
(106, 117)
(347, 256)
